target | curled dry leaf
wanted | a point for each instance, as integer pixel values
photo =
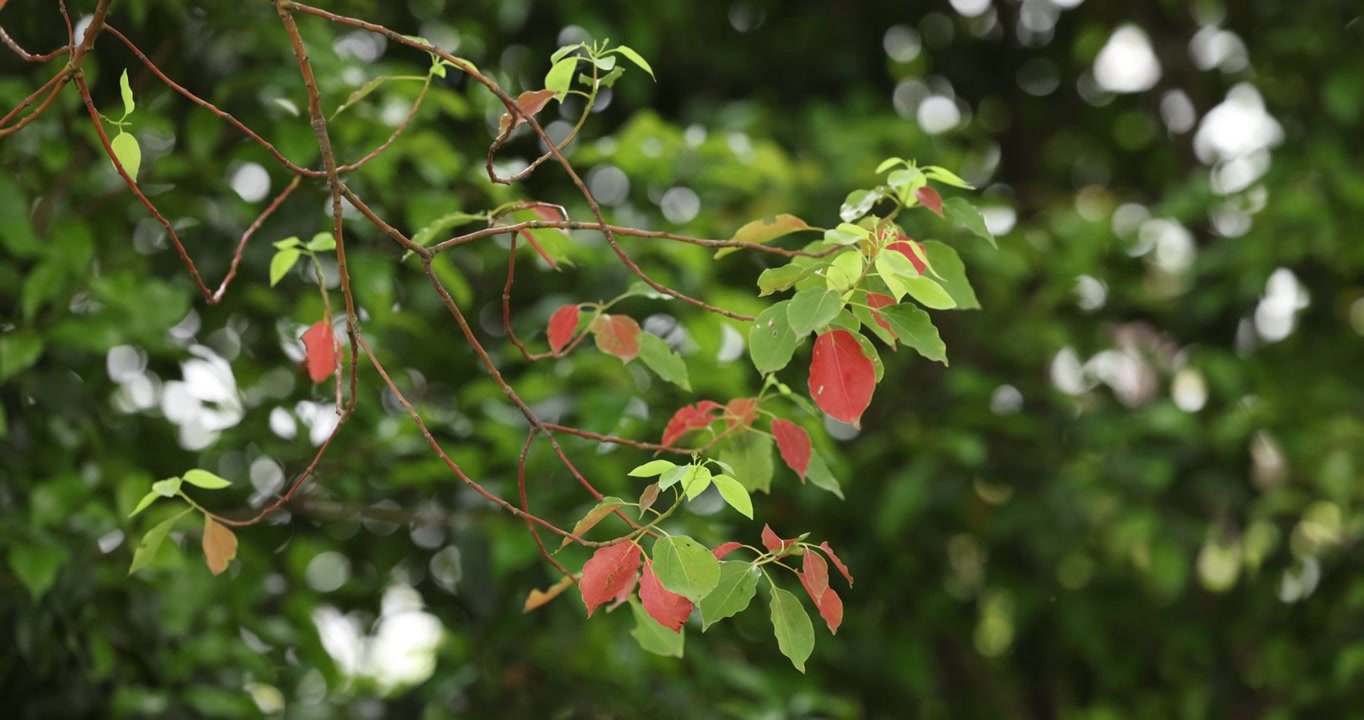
(220, 545)
(538, 597)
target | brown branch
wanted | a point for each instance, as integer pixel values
(26, 55)
(241, 246)
(52, 87)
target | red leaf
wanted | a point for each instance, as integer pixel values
(842, 379)
(877, 300)
(837, 563)
(530, 102)
(774, 543)
(550, 213)
(905, 248)
(562, 324)
(610, 570)
(929, 198)
(816, 573)
(617, 335)
(742, 411)
(625, 590)
(794, 445)
(724, 549)
(663, 605)
(830, 605)
(531, 239)
(320, 347)
(689, 418)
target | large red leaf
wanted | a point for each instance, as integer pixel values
(816, 573)
(929, 198)
(837, 563)
(663, 605)
(724, 549)
(741, 411)
(320, 347)
(610, 570)
(793, 443)
(562, 324)
(905, 248)
(774, 543)
(689, 418)
(617, 335)
(828, 602)
(842, 379)
(877, 300)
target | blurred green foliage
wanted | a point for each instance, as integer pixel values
(1135, 493)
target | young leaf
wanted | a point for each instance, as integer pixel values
(929, 198)
(915, 330)
(815, 572)
(604, 507)
(774, 543)
(127, 92)
(220, 545)
(205, 479)
(946, 177)
(928, 293)
(610, 569)
(829, 604)
(653, 637)
(562, 324)
(320, 348)
(167, 488)
(818, 474)
(538, 597)
(764, 231)
(949, 267)
(842, 378)
(794, 445)
(128, 152)
(961, 213)
(564, 51)
(668, 608)
(686, 567)
(146, 502)
(617, 335)
(724, 549)
(286, 243)
(741, 412)
(837, 563)
(845, 234)
(560, 76)
(530, 103)
(282, 263)
(635, 58)
(653, 468)
(750, 456)
(648, 498)
(151, 542)
(689, 418)
(859, 203)
(665, 363)
(887, 164)
(672, 477)
(791, 624)
(813, 309)
(771, 341)
(732, 595)
(734, 493)
(322, 242)
(844, 271)
(695, 481)
(779, 278)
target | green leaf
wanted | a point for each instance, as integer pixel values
(205, 479)
(947, 177)
(858, 203)
(894, 268)
(928, 293)
(604, 507)
(949, 267)
(605, 64)
(779, 278)
(151, 542)
(887, 164)
(818, 474)
(671, 477)
(867, 320)
(37, 566)
(322, 242)
(695, 481)
(750, 458)
(657, 356)
(732, 595)
(364, 90)
(286, 243)
(560, 76)
(844, 271)
(609, 79)
(685, 567)
(282, 263)
(845, 234)
(564, 51)
(442, 224)
(18, 351)
(127, 91)
(915, 330)
(16, 225)
(963, 214)
(795, 633)
(167, 488)
(146, 501)
(652, 468)
(764, 231)
(813, 309)
(652, 636)
(771, 341)
(635, 58)
(734, 493)
(128, 152)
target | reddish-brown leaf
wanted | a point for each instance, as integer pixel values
(842, 379)
(617, 335)
(877, 300)
(829, 604)
(774, 543)
(320, 348)
(793, 443)
(837, 563)
(816, 573)
(538, 597)
(929, 198)
(220, 545)
(625, 591)
(689, 418)
(724, 549)
(562, 324)
(530, 102)
(549, 213)
(648, 498)
(741, 411)
(905, 248)
(663, 605)
(610, 570)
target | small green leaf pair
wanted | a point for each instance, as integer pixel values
(694, 480)
(290, 249)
